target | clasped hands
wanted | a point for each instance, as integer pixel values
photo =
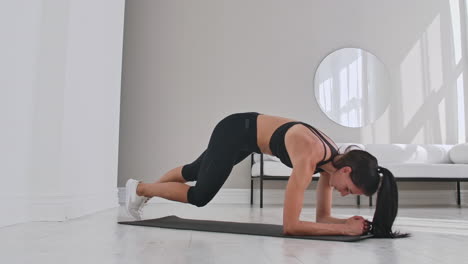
(356, 226)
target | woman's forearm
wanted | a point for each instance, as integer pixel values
(305, 228)
(331, 220)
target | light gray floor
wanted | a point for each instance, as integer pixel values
(440, 235)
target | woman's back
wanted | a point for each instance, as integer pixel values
(268, 124)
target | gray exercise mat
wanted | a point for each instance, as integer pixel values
(175, 222)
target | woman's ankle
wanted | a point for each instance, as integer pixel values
(140, 189)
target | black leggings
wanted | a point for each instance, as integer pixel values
(233, 139)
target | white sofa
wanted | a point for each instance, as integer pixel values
(407, 162)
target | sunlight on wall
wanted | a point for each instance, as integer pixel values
(420, 136)
(422, 75)
(380, 131)
(456, 30)
(412, 95)
(466, 17)
(442, 109)
(434, 51)
(461, 109)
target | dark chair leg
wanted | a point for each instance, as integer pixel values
(370, 200)
(358, 200)
(261, 192)
(251, 191)
(458, 193)
(261, 180)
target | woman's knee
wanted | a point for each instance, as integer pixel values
(198, 198)
(189, 172)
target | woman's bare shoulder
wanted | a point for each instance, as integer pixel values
(302, 146)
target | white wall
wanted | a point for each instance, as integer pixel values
(60, 107)
(187, 64)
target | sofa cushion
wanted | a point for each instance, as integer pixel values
(271, 168)
(342, 146)
(265, 158)
(418, 170)
(459, 154)
(408, 170)
(410, 153)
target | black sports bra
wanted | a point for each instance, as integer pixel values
(278, 147)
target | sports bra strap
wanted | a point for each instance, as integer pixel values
(322, 139)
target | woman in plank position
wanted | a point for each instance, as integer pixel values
(299, 146)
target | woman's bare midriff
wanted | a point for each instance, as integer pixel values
(266, 126)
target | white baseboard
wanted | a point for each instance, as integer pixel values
(276, 196)
(14, 209)
(427, 225)
(24, 208)
(64, 207)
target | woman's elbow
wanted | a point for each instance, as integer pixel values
(289, 229)
(320, 219)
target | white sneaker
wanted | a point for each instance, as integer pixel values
(134, 203)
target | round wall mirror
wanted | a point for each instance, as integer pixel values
(352, 87)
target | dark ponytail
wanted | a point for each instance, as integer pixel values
(368, 176)
(386, 207)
